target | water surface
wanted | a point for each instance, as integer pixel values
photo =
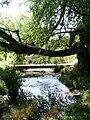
(46, 86)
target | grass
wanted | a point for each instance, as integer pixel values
(38, 59)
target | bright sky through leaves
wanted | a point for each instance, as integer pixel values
(15, 8)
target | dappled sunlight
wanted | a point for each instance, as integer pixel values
(44, 34)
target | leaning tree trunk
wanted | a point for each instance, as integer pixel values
(84, 55)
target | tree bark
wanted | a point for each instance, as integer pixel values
(13, 45)
(82, 49)
(84, 56)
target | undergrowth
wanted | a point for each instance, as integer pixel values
(34, 109)
(72, 78)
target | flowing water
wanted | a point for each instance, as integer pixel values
(48, 92)
(47, 85)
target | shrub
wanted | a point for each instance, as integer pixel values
(11, 77)
(3, 104)
(72, 78)
(77, 112)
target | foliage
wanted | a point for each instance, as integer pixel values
(38, 59)
(3, 89)
(49, 18)
(39, 108)
(9, 86)
(3, 103)
(31, 34)
(11, 77)
(77, 112)
(66, 11)
(86, 97)
(4, 98)
(72, 78)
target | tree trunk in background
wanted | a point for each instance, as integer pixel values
(84, 56)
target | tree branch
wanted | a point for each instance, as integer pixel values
(18, 48)
(10, 39)
(66, 52)
(5, 45)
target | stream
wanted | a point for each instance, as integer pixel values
(49, 94)
(46, 86)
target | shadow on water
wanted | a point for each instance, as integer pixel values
(48, 92)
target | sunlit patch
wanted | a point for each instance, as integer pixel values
(15, 8)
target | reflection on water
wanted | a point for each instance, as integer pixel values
(46, 86)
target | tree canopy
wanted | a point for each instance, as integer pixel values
(51, 19)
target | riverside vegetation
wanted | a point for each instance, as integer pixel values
(15, 106)
(34, 31)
